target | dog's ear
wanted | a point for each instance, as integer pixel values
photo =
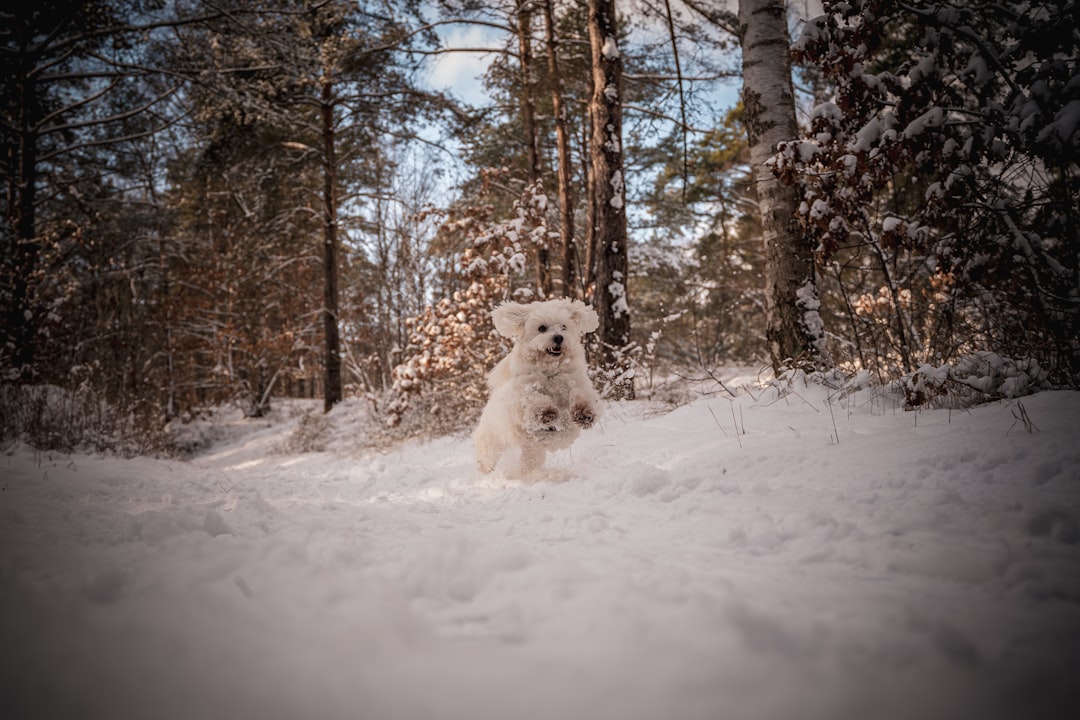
(509, 318)
(584, 316)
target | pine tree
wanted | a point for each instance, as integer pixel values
(77, 97)
(330, 79)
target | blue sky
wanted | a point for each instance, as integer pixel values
(461, 71)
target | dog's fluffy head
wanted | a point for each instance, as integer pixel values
(550, 330)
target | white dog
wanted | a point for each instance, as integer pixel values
(540, 394)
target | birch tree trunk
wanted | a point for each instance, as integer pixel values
(793, 326)
(609, 198)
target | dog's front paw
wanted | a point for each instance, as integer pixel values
(546, 418)
(583, 415)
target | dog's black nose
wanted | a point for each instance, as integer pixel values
(557, 339)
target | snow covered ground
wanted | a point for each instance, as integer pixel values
(833, 559)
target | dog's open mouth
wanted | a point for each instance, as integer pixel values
(555, 351)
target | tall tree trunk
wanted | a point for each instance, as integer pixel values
(588, 267)
(609, 197)
(792, 323)
(332, 358)
(567, 250)
(168, 322)
(532, 140)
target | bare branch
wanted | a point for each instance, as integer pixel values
(96, 122)
(682, 98)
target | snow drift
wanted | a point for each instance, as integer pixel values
(794, 555)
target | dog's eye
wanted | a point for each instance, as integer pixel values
(542, 328)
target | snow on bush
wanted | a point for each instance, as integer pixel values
(452, 344)
(943, 168)
(310, 434)
(972, 379)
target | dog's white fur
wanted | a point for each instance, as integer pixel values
(540, 394)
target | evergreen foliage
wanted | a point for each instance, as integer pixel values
(940, 183)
